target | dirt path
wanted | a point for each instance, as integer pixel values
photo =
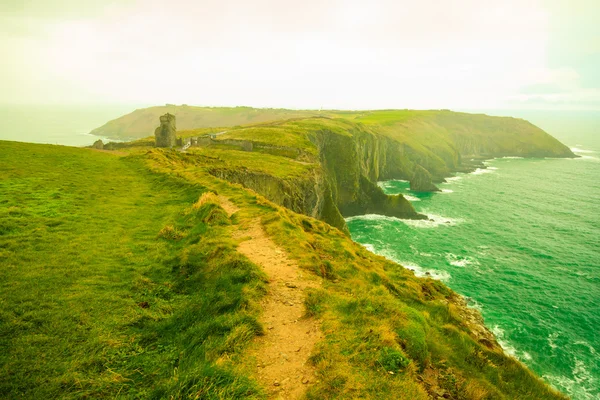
(282, 353)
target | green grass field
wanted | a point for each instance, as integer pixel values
(95, 302)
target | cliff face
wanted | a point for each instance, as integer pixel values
(309, 195)
(352, 160)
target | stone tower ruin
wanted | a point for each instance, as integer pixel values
(165, 134)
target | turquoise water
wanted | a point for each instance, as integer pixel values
(522, 241)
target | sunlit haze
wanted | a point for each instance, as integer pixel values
(303, 54)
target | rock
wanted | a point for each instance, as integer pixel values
(291, 285)
(276, 383)
(98, 144)
(305, 380)
(165, 134)
(144, 304)
(421, 181)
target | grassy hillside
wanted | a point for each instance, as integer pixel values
(441, 132)
(123, 278)
(142, 122)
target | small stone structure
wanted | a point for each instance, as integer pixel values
(209, 140)
(165, 134)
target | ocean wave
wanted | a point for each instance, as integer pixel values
(511, 158)
(390, 182)
(433, 222)
(481, 171)
(418, 270)
(460, 261)
(453, 178)
(504, 343)
(369, 247)
(552, 340)
(507, 346)
(372, 217)
(582, 385)
(591, 348)
(576, 150)
(590, 158)
(426, 272)
(447, 191)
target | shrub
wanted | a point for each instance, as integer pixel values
(392, 360)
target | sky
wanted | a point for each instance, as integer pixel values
(345, 54)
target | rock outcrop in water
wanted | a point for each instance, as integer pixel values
(165, 134)
(421, 181)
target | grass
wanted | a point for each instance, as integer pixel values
(97, 301)
(277, 166)
(275, 135)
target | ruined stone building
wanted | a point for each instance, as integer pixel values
(165, 134)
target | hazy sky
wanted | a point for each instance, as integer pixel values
(303, 54)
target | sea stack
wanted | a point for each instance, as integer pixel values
(421, 181)
(165, 134)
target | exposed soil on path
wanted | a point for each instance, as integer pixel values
(282, 353)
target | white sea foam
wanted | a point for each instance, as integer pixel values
(447, 191)
(453, 178)
(433, 222)
(511, 158)
(411, 198)
(576, 150)
(580, 386)
(480, 171)
(552, 340)
(369, 247)
(427, 272)
(589, 158)
(589, 346)
(460, 261)
(506, 346)
(372, 217)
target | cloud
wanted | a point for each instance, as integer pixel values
(557, 88)
(331, 53)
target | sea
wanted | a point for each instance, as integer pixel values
(520, 240)
(68, 125)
